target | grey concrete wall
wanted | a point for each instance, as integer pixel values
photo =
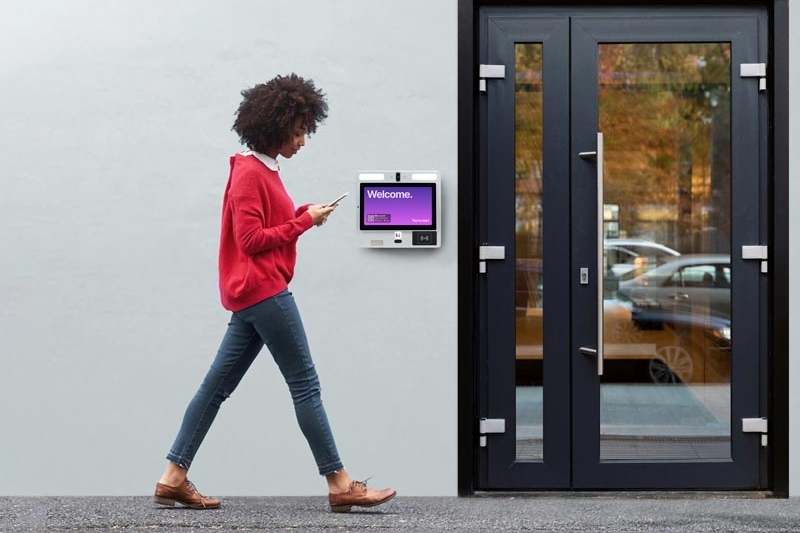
(116, 135)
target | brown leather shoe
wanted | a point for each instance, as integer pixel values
(360, 496)
(186, 495)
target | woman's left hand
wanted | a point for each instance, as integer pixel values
(320, 213)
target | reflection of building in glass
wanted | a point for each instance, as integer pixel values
(611, 221)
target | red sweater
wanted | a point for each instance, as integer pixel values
(259, 232)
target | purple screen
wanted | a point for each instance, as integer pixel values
(397, 205)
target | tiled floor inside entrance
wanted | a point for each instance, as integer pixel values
(643, 422)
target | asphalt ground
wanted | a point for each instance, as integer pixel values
(630, 512)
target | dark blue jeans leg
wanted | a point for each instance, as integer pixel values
(238, 349)
(278, 322)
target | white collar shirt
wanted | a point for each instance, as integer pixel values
(270, 162)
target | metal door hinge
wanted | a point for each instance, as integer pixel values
(755, 70)
(756, 425)
(489, 71)
(493, 253)
(756, 252)
(490, 425)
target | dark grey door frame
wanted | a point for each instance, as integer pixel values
(468, 238)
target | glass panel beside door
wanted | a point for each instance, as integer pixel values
(529, 276)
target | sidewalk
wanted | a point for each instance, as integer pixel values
(630, 512)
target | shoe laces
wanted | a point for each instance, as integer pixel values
(194, 488)
(362, 483)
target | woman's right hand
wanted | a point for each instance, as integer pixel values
(319, 213)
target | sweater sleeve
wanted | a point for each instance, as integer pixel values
(250, 218)
(300, 210)
(251, 234)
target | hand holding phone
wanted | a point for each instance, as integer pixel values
(319, 213)
(333, 203)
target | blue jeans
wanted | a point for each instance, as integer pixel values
(276, 323)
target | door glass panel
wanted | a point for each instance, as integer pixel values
(664, 110)
(528, 278)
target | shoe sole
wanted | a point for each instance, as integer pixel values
(346, 508)
(168, 502)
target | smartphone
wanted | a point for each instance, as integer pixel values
(335, 201)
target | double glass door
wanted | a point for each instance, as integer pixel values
(622, 172)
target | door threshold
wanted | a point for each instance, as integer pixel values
(632, 494)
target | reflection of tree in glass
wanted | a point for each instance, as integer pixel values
(528, 159)
(664, 110)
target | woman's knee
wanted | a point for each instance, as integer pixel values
(305, 386)
(214, 396)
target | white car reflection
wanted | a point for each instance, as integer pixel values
(627, 258)
(696, 285)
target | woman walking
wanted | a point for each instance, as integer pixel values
(260, 228)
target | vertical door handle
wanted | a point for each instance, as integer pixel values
(600, 247)
(598, 156)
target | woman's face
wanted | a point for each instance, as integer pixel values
(296, 141)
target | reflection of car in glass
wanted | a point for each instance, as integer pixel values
(627, 258)
(652, 332)
(688, 285)
(690, 350)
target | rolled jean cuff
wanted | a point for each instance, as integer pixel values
(330, 468)
(178, 460)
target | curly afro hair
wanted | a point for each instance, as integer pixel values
(269, 111)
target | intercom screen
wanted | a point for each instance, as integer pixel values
(398, 206)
